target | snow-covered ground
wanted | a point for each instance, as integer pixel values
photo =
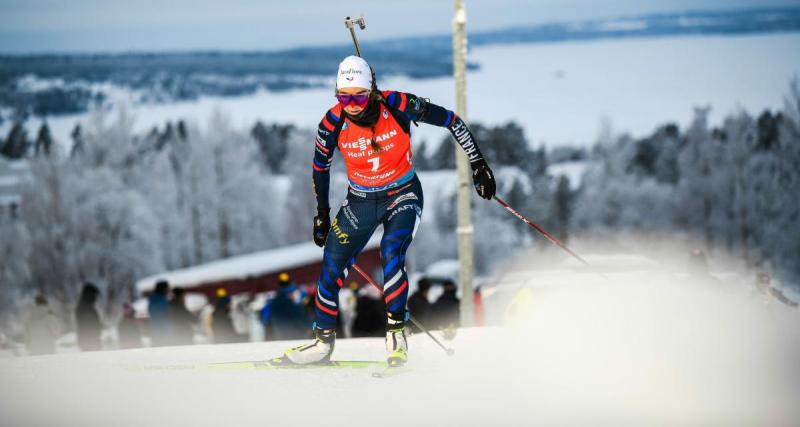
(560, 93)
(643, 348)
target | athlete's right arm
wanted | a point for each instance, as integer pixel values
(324, 146)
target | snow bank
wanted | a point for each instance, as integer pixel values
(639, 349)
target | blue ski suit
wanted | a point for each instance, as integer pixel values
(396, 202)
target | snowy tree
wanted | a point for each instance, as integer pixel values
(733, 185)
(212, 196)
(46, 207)
(245, 192)
(444, 156)
(273, 144)
(740, 131)
(15, 275)
(44, 140)
(86, 223)
(301, 205)
(496, 232)
(783, 234)
(657, 155)
(161, 178)
(16, 144)
(562, 208)
(421, 161)
(116, 237)
(436, 238)
(617, 194)
(77, 140)
(105, 142)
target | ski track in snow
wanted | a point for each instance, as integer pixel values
(646, 348)
(559, 93)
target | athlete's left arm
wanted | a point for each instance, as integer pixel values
(421, 110)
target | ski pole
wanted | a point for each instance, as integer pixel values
(419, 325)
(544, 233)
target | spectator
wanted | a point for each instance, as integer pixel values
(445, 311)
(418, 304)
(129, 334)
(242, 316)
(370, 314)
(286, 319)
(158, 307)
(87, 320)
(41, 328)
(222, 329)
(181, 319)
(347, 308)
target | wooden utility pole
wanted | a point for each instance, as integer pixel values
(465, 229)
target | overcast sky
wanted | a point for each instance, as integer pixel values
(154, 25)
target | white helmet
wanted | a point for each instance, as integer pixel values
(354, 72)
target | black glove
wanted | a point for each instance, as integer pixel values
(322, 224)
(483, 178)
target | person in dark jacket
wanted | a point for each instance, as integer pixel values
(221, 321)
(370, 314)
(87, 320)
(158, 307)
(287, 319)
(181, 319)
(445, 311)
(418, 304)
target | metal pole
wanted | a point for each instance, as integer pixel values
(464, 230)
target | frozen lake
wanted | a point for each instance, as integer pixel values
(560, 93)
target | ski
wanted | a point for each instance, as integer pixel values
(278, 363)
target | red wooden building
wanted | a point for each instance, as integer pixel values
(258, 272)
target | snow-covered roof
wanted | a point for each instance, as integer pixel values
(243, 266)
(445, 269)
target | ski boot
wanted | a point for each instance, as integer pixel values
(319, 352)
(396, 343)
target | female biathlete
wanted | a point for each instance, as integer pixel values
(371, 128)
